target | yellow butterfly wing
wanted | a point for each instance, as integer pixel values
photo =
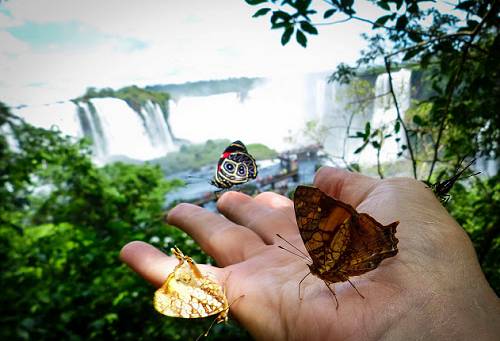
(188, 294)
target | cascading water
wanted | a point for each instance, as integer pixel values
(126, 134)
(116, 131)
(157, 128)
(268, 114)
(381, 114)
(385, 113)
(92, 128)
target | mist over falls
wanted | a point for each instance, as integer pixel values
(271, 111)
(118, 130)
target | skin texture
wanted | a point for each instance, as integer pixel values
(433, 289)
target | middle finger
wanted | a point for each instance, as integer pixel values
(227, 242)
(267, 214)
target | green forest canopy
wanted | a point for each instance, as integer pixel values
(195, 156)
(63, 220)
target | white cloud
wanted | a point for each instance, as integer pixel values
(185, 40)
(12, 46)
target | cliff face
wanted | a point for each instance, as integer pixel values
(112, 119)
(242, 86)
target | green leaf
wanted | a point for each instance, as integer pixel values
(384, 5)
(301, 38)
(437, 88)
(418, 120)
(401, 22)
(382, 20)
(357, 151)
(261, 12)
(356, 167)
(329, 13)
(347, 3)
(425, 60)
(472, 24)
(397, 126)
(412, 8)
(255, 2)
(415, 36)
(358, 135)
(277, 15)
(285, 38)
(367, 128)
(465, 5)
(412, 53)
(307, 27)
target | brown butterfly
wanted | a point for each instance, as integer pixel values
(187, 293)
(340, 241)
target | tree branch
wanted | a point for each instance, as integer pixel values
(451, 86)
(399, 118)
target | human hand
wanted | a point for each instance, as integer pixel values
(432, 289)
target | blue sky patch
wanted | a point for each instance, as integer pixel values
(69, 35)
(5, 11)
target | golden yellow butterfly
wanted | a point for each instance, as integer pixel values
(187, 293)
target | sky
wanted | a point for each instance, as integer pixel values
(52, 50)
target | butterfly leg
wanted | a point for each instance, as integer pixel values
(355, 288)
(300, 298)
(333, 293)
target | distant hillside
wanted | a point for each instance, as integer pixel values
(209, 87)
(195, 156)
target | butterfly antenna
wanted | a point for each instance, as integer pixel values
(295, 254)
(218, 318)
(333, 293)
(205, 334)
(236, 299)
(296, 248)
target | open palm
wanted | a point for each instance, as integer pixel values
(436, 265)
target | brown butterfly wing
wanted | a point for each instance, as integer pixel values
(340, 241)
(371, 243)
(323, 226)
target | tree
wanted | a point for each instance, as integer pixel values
(63, 221)
(456, 46)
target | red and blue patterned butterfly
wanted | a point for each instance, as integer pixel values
(235, 167)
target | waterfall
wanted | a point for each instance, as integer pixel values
(385, 113)
(126, 133)
(268, 114)
(157, 127)
(92, 128)
(343, 112)
(115, 129)
(273, 113)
